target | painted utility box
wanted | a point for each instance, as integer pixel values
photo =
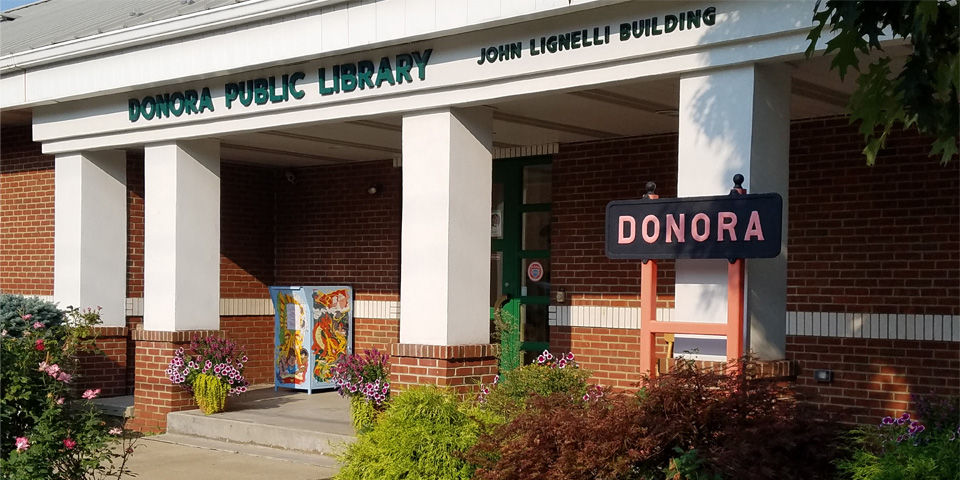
(313, 327)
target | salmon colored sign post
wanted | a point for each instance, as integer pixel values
(649, 326)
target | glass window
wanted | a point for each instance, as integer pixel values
(536, 183)
(536, 231)
(496, 211)
(535, 323)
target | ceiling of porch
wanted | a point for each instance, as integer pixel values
(621, 110)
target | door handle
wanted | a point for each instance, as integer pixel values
(501, 300)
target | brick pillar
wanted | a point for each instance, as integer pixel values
(106, 370)
(460, 367)
(154, 396)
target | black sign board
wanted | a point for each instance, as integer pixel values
(726, 226)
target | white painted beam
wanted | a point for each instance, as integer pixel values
(736, 120)
(445, 239)
(182, 236)
(90, 233)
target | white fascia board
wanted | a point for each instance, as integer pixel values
(134, 40)
(474, 92)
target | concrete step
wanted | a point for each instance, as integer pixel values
(315, 424)
(116, 406)
(327, 464)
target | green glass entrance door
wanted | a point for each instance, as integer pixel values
(520, 257)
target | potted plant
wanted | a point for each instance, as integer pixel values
(211, 371)
(366, 380)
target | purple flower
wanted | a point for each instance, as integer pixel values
(540, 359)
(888, 420)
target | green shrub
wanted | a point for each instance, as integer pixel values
(421, 435)
(689, 425)
(903, 449)
(19, 313)
(550, 374)
(49, 430)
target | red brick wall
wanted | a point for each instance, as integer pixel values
(460, 367)
(135, 225)
(106, 370)
(330, 231)
(371, 333)
(873, 378)
(882, 239)
(613, 354)
(26, 214)
(587, 176)
(154, 395)
(255, 334)
(246, 231)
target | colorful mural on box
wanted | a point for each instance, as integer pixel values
(292, 358)
(330, 331)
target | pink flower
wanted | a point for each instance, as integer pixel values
(39, 344)
(60, 401)
(91, 394)
(115, 431)
(27, 317)
(37, 325)
(43, 367)
(69, 443)
(22, 444)
(64, 377)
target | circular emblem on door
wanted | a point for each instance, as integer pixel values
(535, 271)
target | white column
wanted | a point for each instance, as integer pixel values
(181, 285)
(445, 239)
(733, 121)
(90, 236)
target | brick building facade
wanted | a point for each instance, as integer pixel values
(854, 249)
(173, 189)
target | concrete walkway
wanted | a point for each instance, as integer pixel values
(288, 435)
(157, 459)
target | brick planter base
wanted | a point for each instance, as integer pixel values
(154, 396)
(460, 367)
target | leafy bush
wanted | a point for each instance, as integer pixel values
(19, 313)
(904, 449)
(366, 380)
(550, 374)
(562, 437)
(688, 424)
(421, 435)
(46, 431)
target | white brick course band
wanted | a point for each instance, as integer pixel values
(525, 151)
(818, 324)
(373, 309)
(814, 324)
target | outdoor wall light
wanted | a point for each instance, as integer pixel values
(561, 295)
(290, 176)
(824, 376)
(373, 189)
